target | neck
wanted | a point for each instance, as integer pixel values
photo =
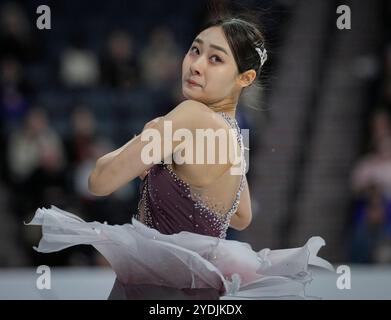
(227, 106)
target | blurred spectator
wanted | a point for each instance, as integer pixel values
(388, 60)
(387, 78)
(35, 145)
(36, 166)
(387, 92)
(16, 38)
(161, 59)
(371, 182)
(82, 150)
(79, 66)
(119, 65)
(11, 244)
(375, 168)
(14, 90)
(36, 163)
(80, 142)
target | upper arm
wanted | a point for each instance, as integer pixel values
(134, 159)
(188, 115)
(243, 216)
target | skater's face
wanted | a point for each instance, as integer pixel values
(210, 67)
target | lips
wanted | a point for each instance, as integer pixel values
(193, 83)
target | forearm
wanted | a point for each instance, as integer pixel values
(238, 223)
(106, 169)
(110, 156)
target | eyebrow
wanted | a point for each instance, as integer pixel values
(212, 46)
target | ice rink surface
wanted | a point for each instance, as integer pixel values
(366, 282)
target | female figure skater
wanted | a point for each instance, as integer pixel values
(175, 247)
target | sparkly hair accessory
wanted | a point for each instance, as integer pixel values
(262, 54)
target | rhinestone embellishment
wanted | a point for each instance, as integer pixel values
(203, 211)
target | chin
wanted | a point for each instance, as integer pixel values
(188, 95)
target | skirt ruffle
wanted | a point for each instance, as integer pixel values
(140, 255)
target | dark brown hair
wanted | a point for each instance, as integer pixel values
(243, 37)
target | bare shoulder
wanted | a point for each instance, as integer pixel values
(192, 113)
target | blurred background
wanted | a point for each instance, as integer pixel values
(320, 129)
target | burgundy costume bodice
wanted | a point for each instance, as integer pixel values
(167, 205)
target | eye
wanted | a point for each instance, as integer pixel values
(192, 48)
(217, 58)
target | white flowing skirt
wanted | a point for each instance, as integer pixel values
(140, 255)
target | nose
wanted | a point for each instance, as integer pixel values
(197, 66)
